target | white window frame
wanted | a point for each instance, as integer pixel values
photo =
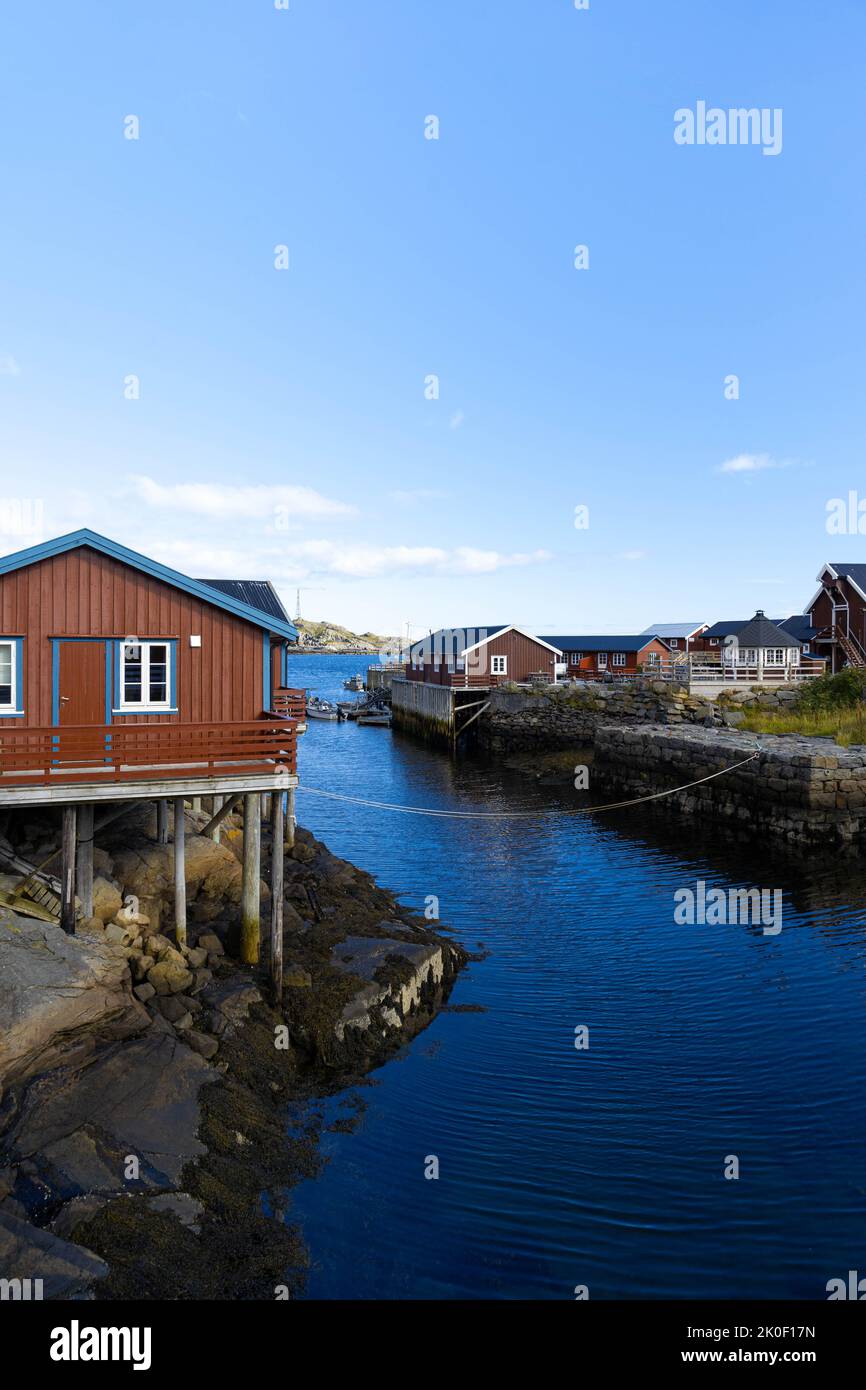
(714, 641)
(619, 659)
(774, 656)
(146, 706)
(674, 641)
(498, 664)
(14, 705)
(601, 660)
(653, 658)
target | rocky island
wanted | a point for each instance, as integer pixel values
(155, 1102)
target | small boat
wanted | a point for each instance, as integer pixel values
(355, 682)
(349, 709)
(376, 715)
(321, 709)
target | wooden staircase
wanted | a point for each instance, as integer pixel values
(854, 653)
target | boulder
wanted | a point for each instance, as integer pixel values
(167, 977)
(202, 1043)
(213, 877)
(80, 1125)
(58, 991)
(66, 1271)
(107, 901)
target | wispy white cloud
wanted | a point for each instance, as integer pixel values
(632, 555)
(753, 463)
(224, 501)
(8, 365)
(456, 420)
(297, 560)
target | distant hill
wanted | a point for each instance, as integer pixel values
(339, 639)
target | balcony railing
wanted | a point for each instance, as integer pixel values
(130, 752)
(725, 672)
(291, 704)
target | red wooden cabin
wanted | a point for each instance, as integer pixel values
(115, 668)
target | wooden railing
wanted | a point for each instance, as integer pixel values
(291, 704)
(725, 672)
(128, 752)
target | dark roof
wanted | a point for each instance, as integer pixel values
(91, 540)
(799, 626)
(453, 641)
(761, 632)
(255, 593)
(595, 643)
(855, 572)
(725, 629)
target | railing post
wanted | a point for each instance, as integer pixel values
(67, 871)
(250, 890)
(277, 852)
(179, 873)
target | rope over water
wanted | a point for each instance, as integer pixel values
(533, 815)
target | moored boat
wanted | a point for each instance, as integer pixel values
(321, 709)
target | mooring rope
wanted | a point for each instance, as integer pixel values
(534, 815)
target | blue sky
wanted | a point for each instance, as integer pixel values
(282, 428)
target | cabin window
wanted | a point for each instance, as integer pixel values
(674, 641)
(575, 658)
(775, 656)
(145, 677)
(653, 658)
(10, 668)
(714, 641)
(498, 665)
(602, 660)
(619, 658)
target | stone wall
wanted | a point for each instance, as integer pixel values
(648, 736)
(804, 790)
(561, 716)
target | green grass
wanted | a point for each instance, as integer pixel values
(846, 726)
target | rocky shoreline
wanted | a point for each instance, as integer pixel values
(156, 1107)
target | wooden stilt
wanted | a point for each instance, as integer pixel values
(290, 818)
(213, 826)
(84, 859)
(196, 803)
(277, 852)
(67, 871)
(162, 821)
(179, 873)
(250, 889)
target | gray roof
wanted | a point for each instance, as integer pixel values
(256, 593)
(672, 629)
(761, 632)
(453, 641)
(634, 642)
(797, 626)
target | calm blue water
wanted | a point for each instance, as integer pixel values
(605, 1167)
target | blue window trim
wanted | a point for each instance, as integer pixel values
(18, 692)
(171, 643)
